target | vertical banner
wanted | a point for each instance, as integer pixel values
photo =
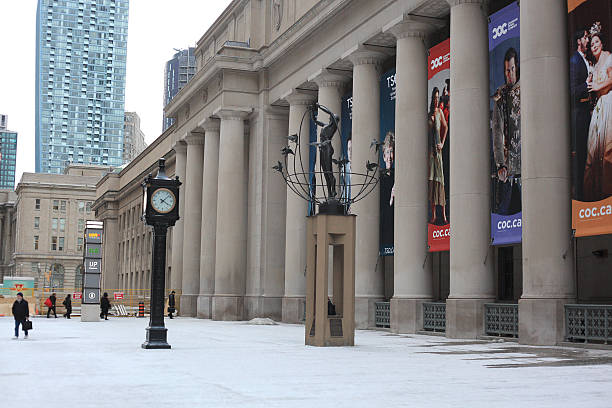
(387, 152)
(590, 85)
(505, 121)
(346, 126)
(438, 121)
(312, 160)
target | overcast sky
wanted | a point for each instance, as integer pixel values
(155, 28)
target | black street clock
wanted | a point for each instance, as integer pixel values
(160, 210)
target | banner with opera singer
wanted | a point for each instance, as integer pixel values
(505, 129)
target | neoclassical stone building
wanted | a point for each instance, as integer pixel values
(239, 249)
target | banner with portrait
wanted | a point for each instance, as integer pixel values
(387, 160)
(346, 126)
(438, 120)
(505, 125)
(590, 86)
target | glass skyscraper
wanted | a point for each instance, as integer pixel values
(8, 155)
(81, 48)
(177, 73)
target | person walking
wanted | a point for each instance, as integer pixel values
(21, 313)
(171, 304)
(68, 305)
(104, 306)
(51, 305)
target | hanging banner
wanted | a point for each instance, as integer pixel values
(387, 152)
(590, 83)
(438, 120)
(312, 159)
(505, 121)
(346, 125)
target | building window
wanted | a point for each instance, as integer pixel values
(63, 206)
(37, 204)
(36, 222)
(81, 207)
(54, 223)
(88, 207)
(62, 224)
(54, 243)
(56, 205)
(36, 242)
(81, 225)
(79, 244)
(61, 244)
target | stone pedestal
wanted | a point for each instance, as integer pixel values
(90, 313)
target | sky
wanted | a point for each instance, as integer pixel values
(155, 28)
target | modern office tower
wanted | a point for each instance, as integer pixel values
(177, 73)
(8, 155)
(133, 137)
(81, 48)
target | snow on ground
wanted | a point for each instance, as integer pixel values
(66, 363)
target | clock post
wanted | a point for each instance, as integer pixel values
(160, 204)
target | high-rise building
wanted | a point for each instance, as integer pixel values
(81, 48)
(133, 137)
(8, 155)
(177, 73)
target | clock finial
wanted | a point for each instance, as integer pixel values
(161, 173)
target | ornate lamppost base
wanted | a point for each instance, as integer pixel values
(156, 338)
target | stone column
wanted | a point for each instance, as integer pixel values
(471, 260)
(369, 282)
(295, 226)
(176, 278)
(193, 224)
(548, 277)
(412, 278)
(230, 253)
(209, 217)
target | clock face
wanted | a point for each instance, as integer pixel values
(163, 200)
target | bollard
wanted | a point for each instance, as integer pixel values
(140, 309)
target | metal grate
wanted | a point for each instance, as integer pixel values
(383, 314)
(501, 319)
(588, 323)
(434, 316)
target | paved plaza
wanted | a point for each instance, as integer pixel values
(233, 364)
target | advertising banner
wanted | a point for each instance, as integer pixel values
(346, 125)
(438, 120)
(590, 83)
(505, 130)
(387, 152)
(312, 160)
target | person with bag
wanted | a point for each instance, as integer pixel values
(104, 306)
(21, 313)
(171, 304)
(68, 305)
(50, 303)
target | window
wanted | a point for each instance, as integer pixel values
(61, 244)
(62, 224)
(79, 244)
(54, 223)
(88, 207)
(36, 242)
(63, 206)
(81, 225)
(37, 204)
(36, 222)
(55, 205)
(54, 243)
(81, 207)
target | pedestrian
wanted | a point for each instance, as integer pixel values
(104, 306)
(171, 304)
(51, 305)
(21, 313)
(68, 305)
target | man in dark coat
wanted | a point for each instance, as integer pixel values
(68, 305)
(171, 304)
(21, 313)
(104, 306)
(53, 299)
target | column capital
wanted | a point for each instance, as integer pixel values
(180, 147)
(366, 55)
(233, 112)
(300, 97)
(194, 138)
(330, 78)
(407, 26)
(453, 3)
(210, 124)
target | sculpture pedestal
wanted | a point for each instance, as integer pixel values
(338, 232)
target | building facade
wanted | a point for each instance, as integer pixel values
(51, 211)
(8, 157)
(178, 71)
(3, 121)
(7, 232)
(81, 49)
(133, 137)
(239, 249)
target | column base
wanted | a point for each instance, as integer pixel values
(227, 307)
(407, 315)
(204, 307)
(156, 338)
(90, 313)
(263, 306)
(189, 305)
(465, 317)
(365, 311)
(294, 309)
(542, 321)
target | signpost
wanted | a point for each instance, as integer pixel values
(92, 260)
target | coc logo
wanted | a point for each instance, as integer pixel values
(500, 30)
(436, 62)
